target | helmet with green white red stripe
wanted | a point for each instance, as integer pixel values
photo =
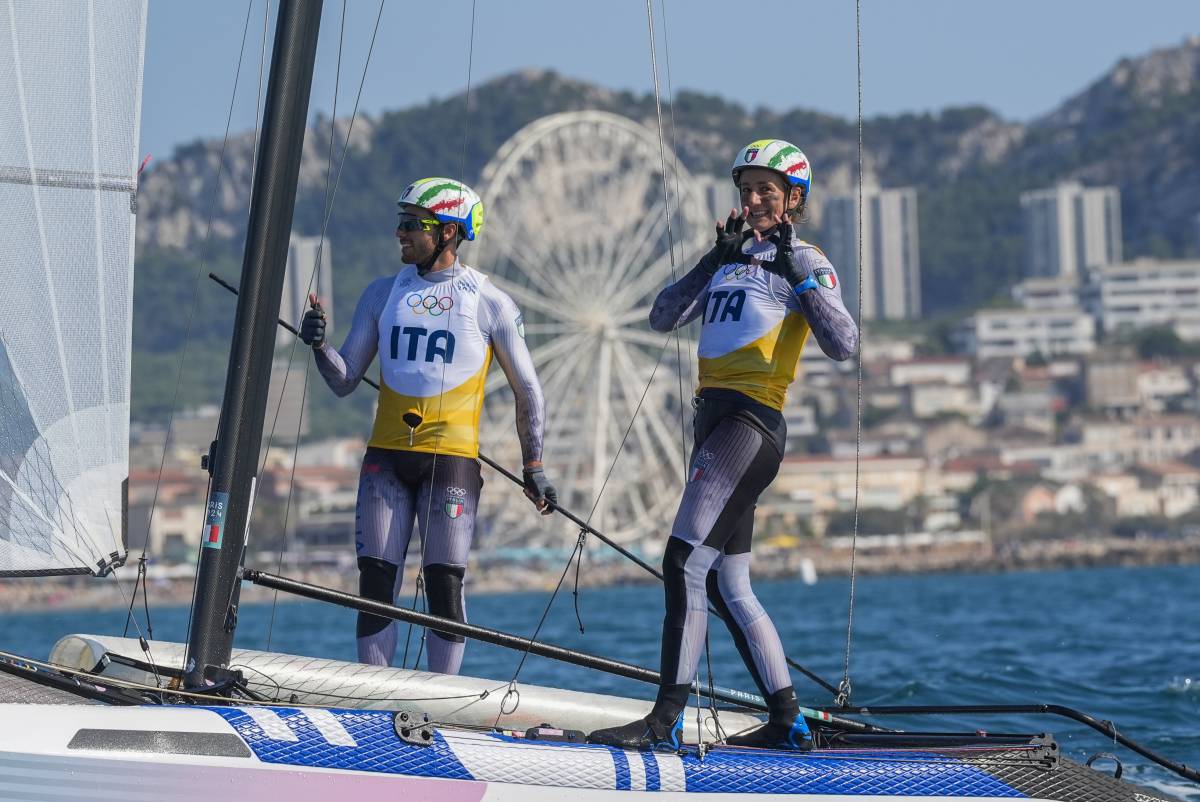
(449, 201)
(775, 154)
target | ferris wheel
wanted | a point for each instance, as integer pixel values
(576, 234)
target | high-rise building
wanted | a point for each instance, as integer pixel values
(890, 247)
(299, 281)
(287, 410)
(1070, 229)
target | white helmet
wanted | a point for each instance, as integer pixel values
(449, 201)
(777, 155)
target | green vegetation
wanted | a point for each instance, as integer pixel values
(1160, 342)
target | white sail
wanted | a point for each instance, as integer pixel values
(70, 102)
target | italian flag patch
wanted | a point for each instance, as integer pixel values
(825, 277)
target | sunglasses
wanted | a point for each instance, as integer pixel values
(413, 223)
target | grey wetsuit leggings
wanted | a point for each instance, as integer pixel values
(440, 494)
(738, 448)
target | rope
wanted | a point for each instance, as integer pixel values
(582, 538)
(512, 683)
(143, 642)
(843, 694)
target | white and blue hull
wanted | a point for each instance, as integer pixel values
(53, 752)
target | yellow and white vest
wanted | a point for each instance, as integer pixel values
(752, 331)
(433, 361)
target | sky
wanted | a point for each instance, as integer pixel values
(1018, 57)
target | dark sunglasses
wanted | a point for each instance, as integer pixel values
(414, 223)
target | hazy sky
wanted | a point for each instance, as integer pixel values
(1019, 57)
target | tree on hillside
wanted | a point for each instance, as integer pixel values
(1161, 342)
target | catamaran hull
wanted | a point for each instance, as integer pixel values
(51, 752)
(54, 779)
(459, 700)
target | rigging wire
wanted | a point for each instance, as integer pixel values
(423, 521)
(259, 110)
(662, 155)
(843, 693)
(581, 539)
(327, 213)
(206, 253)
(678, 192)
(258, 95)
(287, 507)
(674, 277)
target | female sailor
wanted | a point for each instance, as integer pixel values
(759, 295)
(435, 326)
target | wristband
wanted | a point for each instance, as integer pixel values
(809, 283)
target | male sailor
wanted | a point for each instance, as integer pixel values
(759, 294)
(435, 326)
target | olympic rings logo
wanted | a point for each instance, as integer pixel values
(461, 492)
(733, 272)
(429, 304)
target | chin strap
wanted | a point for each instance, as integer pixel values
(427, 265)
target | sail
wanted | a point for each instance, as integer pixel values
(70, 101)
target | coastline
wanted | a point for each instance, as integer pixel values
(873, 557)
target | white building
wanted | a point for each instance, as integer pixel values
(930, 370)
(1070, 228)
(299, 281)
(890, 248)
(1147, 292)
(1024, 332)
(1058, 292)
(1160, 385)
(287, 398)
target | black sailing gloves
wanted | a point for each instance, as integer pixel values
(785, 264)
(728, 247)
(540, 491)
(312, 329)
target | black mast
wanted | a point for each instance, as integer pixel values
(239, 434)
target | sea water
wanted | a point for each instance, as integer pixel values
(1119, 644)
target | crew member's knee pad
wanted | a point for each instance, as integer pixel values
(444, 589)
(684, 570)
(376, 581)
(675, 557)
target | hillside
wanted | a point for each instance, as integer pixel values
(1137, 127)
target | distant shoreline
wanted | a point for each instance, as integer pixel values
(75, 593)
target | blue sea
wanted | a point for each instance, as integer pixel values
(1119, 644)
